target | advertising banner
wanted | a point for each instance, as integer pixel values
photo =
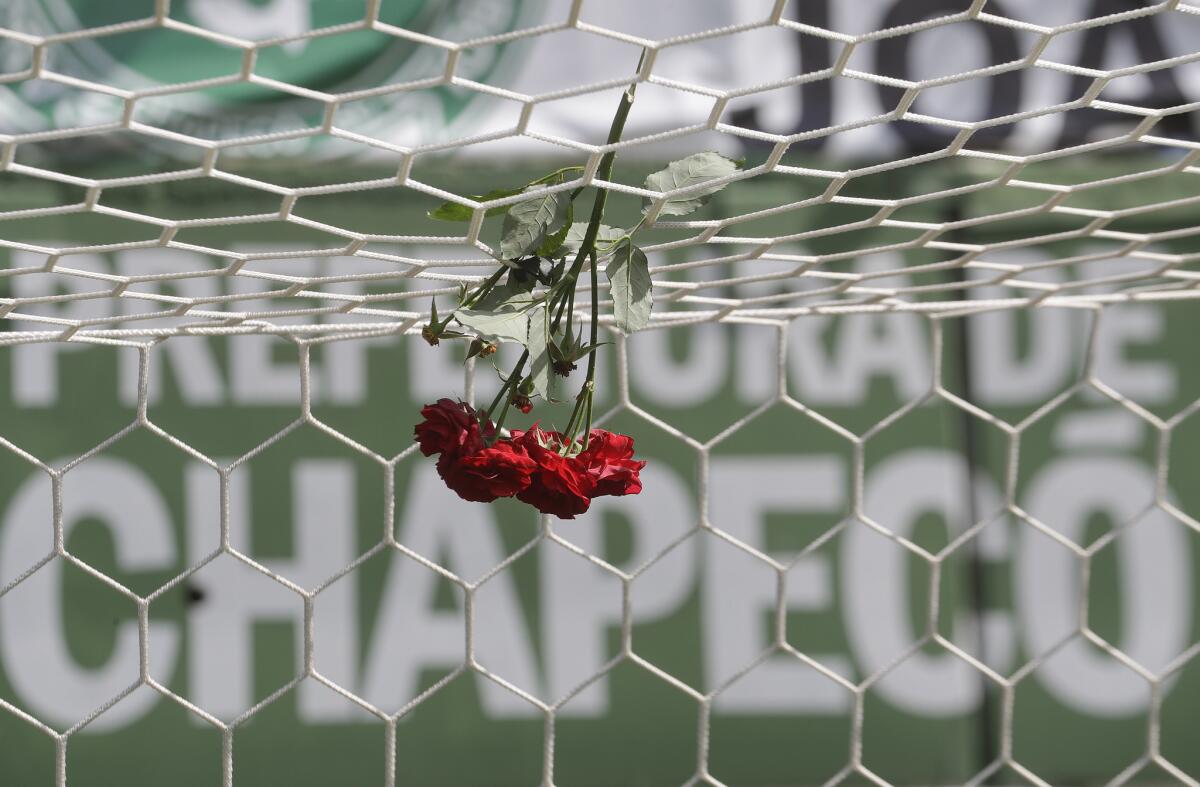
(705, 613)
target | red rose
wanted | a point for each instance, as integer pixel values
(451, 427)
(530, 465)
(610, 464)
(501, 470)
(560, 485)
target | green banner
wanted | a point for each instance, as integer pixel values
(776, 475)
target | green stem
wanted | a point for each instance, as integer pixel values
(566, 291)
(587, 429)
(588, 249)
(632, 230)
(503, 415)
(484, 288)
(570, 311)
(583, 402)
(590, 382)
(591, 372)
(568, 432)
(513, 380)
(603, 172)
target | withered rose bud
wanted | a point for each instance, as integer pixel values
(563, 368)
(480, 348)
(430, 335)
(522, 403)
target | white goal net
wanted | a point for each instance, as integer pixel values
(917, 395)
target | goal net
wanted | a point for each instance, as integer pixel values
(917, 395)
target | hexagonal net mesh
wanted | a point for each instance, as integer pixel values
(962, 218)
(804, 282)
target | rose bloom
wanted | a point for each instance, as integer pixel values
(529, 465)
(501, 470)
(610, 465)
(451, 427)
(560, 485)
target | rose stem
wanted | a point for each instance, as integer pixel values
(604, 171)
(485, 287)
(508, 401)
(570, 312)
(590, 383)
(513, 379)
(583, 402)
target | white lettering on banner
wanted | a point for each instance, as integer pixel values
(462, 537)
(220, 637)
(1122, 330)
(341, 368)
(1003, 374)
(991, 635)
(578, 609)
(865, 346)
(903, 488)
(1155, 575)
(255, 375)
(258, 377)
(756, 359)
(35, 380)
(263, 371)
(261, 368)
(663, 378)
(581, 603)
(33, 644)
(191, 361)
(741, 492)
(1004, 371)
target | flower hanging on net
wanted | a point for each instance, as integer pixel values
(536, 466)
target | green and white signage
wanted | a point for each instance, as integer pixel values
(344, 62)
(142, 511)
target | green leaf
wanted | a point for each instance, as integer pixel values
(632, 292)
(553, 241)
(546, 383)
(510, 295)
(584, 349)
(574, 238)
(557, 176)
(452, 211)
(528, 223)
(691, 171)
(508, 325)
